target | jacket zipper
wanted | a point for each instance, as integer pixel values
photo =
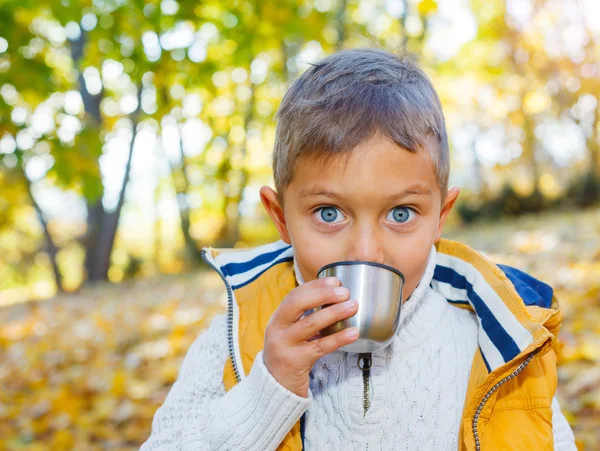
(364, 362)
(229, 317)
(520, 368)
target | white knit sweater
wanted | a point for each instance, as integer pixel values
(418, 387)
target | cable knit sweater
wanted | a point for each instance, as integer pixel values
(418, 386)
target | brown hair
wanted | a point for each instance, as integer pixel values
(346, 98)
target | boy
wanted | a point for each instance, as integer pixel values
(361, 170)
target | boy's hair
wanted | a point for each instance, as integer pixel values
(346, 98)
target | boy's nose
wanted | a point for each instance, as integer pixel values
(366, 245)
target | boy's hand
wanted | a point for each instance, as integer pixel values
(290, 350)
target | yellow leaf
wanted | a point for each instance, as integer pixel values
(427, 7)
(62, 440)
(119, 383)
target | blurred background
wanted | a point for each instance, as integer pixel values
(133, 133)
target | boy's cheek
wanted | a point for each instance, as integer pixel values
(414, 273)
(312, 260)
(312, 255)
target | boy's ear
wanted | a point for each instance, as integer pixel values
(271, 203)
(451, 197)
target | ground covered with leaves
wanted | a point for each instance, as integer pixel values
(87, 371)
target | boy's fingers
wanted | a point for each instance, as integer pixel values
(294, 305)
(312, 324)
(315, 337)
(327, 345)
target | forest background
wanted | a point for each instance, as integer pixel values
(133, 133)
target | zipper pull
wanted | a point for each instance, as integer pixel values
(364, 364)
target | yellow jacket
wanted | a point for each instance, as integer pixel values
(513, 377)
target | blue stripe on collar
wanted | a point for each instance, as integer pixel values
(257, 275)
(492, 327)
(243, 266)
(232, 269)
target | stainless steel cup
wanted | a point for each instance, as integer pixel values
(378, 290)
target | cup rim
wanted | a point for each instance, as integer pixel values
(361, 262)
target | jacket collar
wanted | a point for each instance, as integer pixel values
(242, 266)
(497, 294)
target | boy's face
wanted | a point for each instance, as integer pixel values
(383, 206)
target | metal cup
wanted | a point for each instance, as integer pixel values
(378, 290)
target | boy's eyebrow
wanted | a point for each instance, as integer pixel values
(418, 190)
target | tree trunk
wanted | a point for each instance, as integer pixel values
(51, 248)
(403, 16)
(233, 204)
(594, 175)
(341, 24)
(481, 186)
(594, 153)
(95, 218)
(530, 150)
(95, 211)
(181, 184)
(285, 56)
(110, 220)
(221, 178)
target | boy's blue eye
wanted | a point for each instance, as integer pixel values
(401, 214)
(328, 214)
